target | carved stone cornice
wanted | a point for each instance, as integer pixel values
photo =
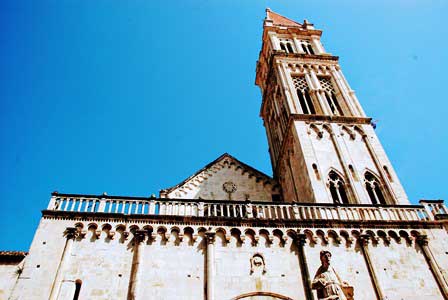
(331, 119)
(220, 221)
(364, 239)
(210, 237)
(140, 235)
(300, 239)
(317, 57)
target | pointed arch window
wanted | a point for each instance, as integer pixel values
(337, 188)
(373, 189)
(330, 96)
(303, 94)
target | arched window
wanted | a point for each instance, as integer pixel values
(310, 49)
(282, 46)
(337, 188)
(373, 188)
(303, 94)
(330, 96)
(286, 45)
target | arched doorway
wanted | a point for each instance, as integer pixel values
(261, 296)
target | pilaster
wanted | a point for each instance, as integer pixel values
(210, 264)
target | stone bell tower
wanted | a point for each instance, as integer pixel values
(322, 145)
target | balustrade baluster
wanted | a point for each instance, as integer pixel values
(269, 211)
(288, 214)
(283, 212)
(80, 204)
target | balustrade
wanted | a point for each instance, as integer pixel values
(248, 210)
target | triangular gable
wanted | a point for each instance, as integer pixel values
(280, 20)
(208, 183)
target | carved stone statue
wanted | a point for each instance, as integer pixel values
(257, 264)
(327, 282)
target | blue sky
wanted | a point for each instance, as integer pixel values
(129, 97)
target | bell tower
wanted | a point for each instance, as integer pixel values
(322, 145)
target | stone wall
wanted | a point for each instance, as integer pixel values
(314, 145)
(172, 263)
(8, 278)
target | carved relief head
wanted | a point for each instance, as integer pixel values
(257, 264)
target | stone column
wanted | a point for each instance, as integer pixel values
(343, 92)
(70, 233)
(300, 241)
(139, 238)
(349, 91)
(422, 241)
(210, 264)
(288, 88)
(363, 240)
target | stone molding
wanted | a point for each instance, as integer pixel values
(150, 233)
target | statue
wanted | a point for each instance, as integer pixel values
(327, 282)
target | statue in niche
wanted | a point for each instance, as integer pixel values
(327, 282)
(257, 264)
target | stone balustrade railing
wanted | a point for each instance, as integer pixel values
(246, 210)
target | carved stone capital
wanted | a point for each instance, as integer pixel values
(71, 233)
(422, 240)
(210, 237)
(300, 239)
(364, 239)
(140, 235)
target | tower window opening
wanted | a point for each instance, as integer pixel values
(316, 171)
(373, 189)
(78, 284)
(352, 170)
(330, 96)
(337, 188)
(302, 90)
(307, 47)
(286, 45)
(282, 46)
(389, 176)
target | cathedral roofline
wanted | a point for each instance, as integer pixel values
(210, 220)
(209, 165)
(67, 195)
(12, 256)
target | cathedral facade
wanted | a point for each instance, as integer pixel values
(333, 222)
